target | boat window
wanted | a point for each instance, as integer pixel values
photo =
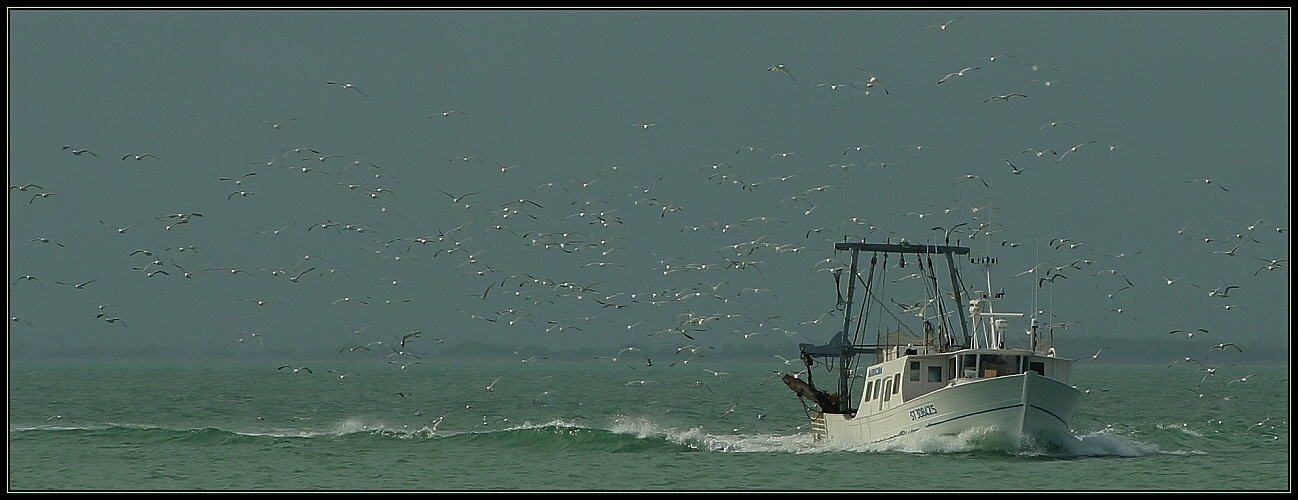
(994, 365)
(934, 374)
(1039, 367)
(896, 381)
(887, 390)
(877, 384)
(969, 365)
(868, 386)
(914, 371)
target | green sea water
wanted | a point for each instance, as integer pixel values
(589, 426)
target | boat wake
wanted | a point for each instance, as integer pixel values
(982, 439)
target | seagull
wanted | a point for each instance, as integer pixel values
(407, 337)
(277, 125)
(1074, 148)
(456, 199)
(240, 193)
(1040, 152)
(1093, 356)
(140, 157)
(1005, 97)
(1222, 347)
(1230, 252)
(958, 73)
(262, 302)
(1016, 170)
(295, 370)
(1208, 181)
(1188, 333)
(780, 68)
(943, 25)
(79, 286)
(25, 187)
(1222, 291)
(249, 336)
(239, 180)
(39, 195)
(80, 152)
(30, 278)
(449, 112)
(276, 231)
(492, 386)
(1055, 124)
(980, 179)
(348, 86)
(47, 240)
(530, 360)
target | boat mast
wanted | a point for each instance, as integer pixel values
(844, 347)
(844, 398)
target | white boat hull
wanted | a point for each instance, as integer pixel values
(1029, 407)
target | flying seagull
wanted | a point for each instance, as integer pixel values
(348, 86)
(780, 68)
(958, 73)
(1005, 97)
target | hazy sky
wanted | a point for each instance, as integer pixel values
(572, 178)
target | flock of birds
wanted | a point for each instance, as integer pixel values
(578, 257)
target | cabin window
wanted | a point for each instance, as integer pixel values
(877, 384)
(1039, 367)
(969, 364)
(934, 374)
(896, 381)
(868, 387)
(914, 371)
(887, 389)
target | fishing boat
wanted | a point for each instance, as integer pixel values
(939, 366)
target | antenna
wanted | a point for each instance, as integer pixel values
(888, 222)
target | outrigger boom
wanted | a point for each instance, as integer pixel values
(840, 347)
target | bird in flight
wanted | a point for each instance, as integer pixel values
(1074, 148)
(958, 73)
(286, 120)
(1222, 347)
(782, 69)
(1208, 181)
(980, 179)
(121, 230)
(295, 370)
(1188, 333)
(80, 152)
(80, 286)
(1093, 356)
(140, 157)
(1016, 170)
(943, 25)
(39, 195)
(239, 180)
(348, 86)
(456, 199)
(45, 240)
(1005, 97)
